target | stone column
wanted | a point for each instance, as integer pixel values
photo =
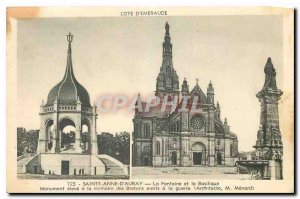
(78, 139)
(59, 140)
(53, 139)
(211, 137)
(272, 169)
(211, 151)
(42, 139)
(94, 141)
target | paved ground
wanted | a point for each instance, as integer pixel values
(187, 173)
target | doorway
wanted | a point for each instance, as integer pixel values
(35, 170)
(197, 158)
(174, 158)
(219, 159)
(147, 161)
(65, 167)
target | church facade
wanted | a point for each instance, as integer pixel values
(181, 137)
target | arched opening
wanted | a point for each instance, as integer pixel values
(85, 135)
(67, 130)
(137, 130)
(174, 158)
(157, 148)
(50, 134)
(199, 154)
(146, 160)
(219, 158)
(146, 131)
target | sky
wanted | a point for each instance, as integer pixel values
(115, 55)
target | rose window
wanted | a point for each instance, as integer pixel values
(197, 122)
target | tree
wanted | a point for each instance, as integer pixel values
(117, 146)
(27, 141)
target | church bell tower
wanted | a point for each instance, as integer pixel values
(167, 80)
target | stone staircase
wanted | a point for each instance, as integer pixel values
(113, 166)
(21, 161)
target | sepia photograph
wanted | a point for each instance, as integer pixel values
(150, 100)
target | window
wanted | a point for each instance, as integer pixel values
(146, 131)
(137, 130)
(157, 148)
(163, 147)
(197, 122)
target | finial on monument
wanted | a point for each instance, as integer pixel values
(269, 60)
(70, 37)
(167, 27)
(210, 86)
(197, 80)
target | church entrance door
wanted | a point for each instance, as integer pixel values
(219, 159)
(198, 154)
(197, 158)
(174, 158)
(64, 167)
(146, 161)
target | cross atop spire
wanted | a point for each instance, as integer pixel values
(70, 37)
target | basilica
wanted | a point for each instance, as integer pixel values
(181, 138)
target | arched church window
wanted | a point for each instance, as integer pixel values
(157, 148)
(219, 129)
(146, 131)
(137, 130)
(163, 147)
(178, 126)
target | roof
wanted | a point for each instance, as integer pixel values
(68, 91)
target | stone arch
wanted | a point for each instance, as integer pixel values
(198, 153)
(67, 140)
(65, 121)
(157, 147)
(49, 133)
(146, 156)
(47, 120)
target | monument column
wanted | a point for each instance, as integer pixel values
(269, 143)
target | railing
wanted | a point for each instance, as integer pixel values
(48, 109)
(67, 108)
(70, 108)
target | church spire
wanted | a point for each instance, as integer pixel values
(167, 80)
(69, 68)
(210, 93)
(167, 46)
